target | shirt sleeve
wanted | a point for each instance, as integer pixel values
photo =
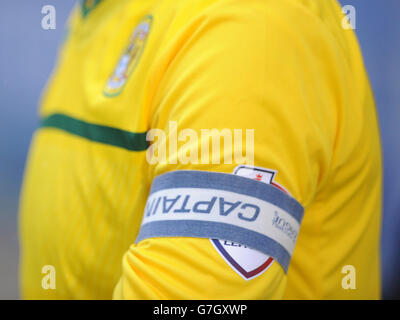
(235, 71)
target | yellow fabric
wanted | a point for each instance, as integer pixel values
(284, 68)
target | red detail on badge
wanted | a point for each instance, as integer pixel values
(236, 266)
(259, 269)
(279, 187)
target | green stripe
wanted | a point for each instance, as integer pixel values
(87, 8)
(131, 141)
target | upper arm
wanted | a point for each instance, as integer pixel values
(236, 70)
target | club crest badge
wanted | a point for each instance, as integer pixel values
(129, 59)
(247, 262)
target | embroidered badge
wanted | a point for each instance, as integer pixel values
(247, 262)
(129, 59)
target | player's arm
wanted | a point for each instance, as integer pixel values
(234, 71)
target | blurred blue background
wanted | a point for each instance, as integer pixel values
(28, 54)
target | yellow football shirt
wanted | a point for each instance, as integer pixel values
(118, 214)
